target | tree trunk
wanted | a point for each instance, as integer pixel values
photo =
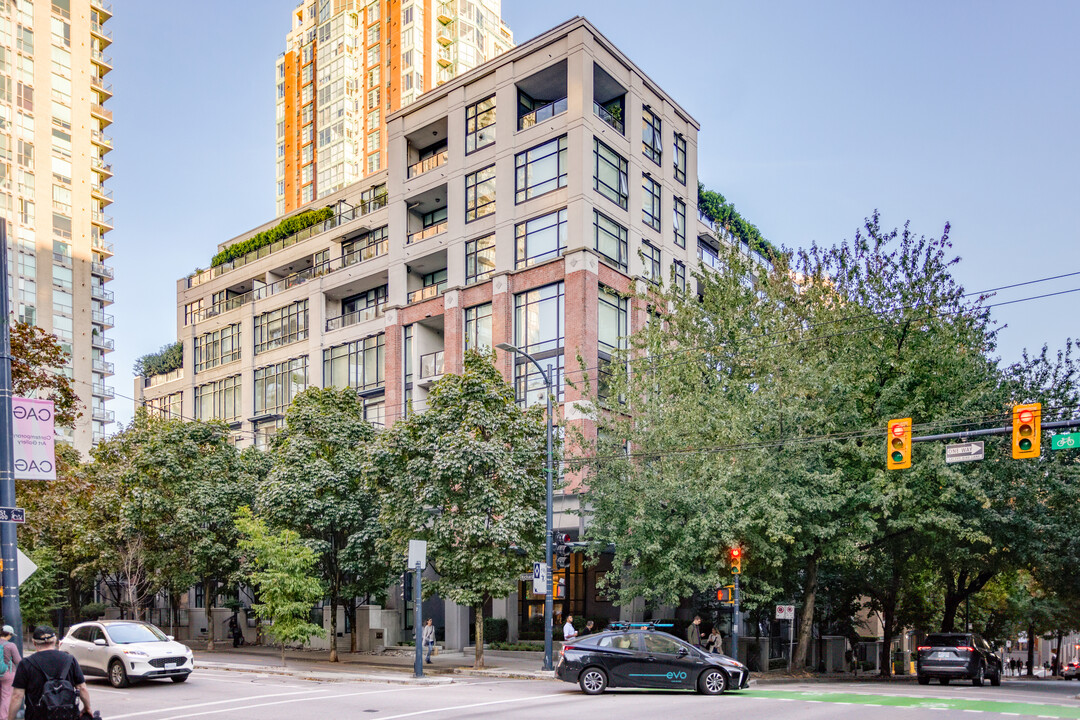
(888, 601)
(948, 616)
(806, 619)
(333, 626)
(355, 618)
(1031, 650)
(479, 637)
(1057, 658)
(282, 653)
(208, 601)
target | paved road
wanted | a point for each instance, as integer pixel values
(240, 696)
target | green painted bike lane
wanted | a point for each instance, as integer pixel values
(928, 703)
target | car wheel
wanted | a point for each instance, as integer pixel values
(944, 681)
(924, 680)
(593, 681)
(977, 680)
(995, 679)
(712, 682)
(180, 678)
(117, 675)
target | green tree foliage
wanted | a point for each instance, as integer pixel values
(282, 570)
(285, 228)
(37, 359)
(41, 593)
(467, 476)
(317, 487)
(717, 208)
(168, 358)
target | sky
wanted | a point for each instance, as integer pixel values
(812, 116)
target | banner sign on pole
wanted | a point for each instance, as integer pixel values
(32, 424)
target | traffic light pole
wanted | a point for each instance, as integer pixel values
(735, 621)
(8, 537)
(1053, 425)
(418, 622)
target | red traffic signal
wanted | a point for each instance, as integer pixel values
(736, 561)
(736, 553)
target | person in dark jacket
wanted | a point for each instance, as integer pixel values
(35, 670)
(693, 632)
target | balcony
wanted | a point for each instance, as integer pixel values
(101, 112)
(601, 112)
(354, 318)
(103, 366)
(101, 246)
(101, 270)
(431, 365)
(101, 219)
(101, 139)
(98, 437)
(102, 318)
(445, 35)
(101, 59)
(101, 32)
(427, 292)
(542, 113)
(102, 390)
(101, 293)
(101, 342)
(436, 160)
(99, 165)
(101, 86)
(102, 7)
(103, 415)
(367, 252)
(445, 13)
(428, 232)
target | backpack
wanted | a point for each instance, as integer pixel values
(59, 701)
(5, 666)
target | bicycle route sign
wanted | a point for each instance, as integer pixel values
(1067, 441)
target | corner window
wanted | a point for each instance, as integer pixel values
(541, 238)
(650, 202)
(480, 124)
(610, 176)
(680, 158)
(479, 259)
(540, 169)
(680, 222)
(480, 193)
(610, 239)
(651, 144)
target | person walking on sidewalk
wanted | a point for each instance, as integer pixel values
(429, 638)
(45, 667)
(693, 632)
(569, 632)
(11, 660)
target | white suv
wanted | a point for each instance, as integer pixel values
(127, 650)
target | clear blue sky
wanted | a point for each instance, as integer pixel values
(812, 115)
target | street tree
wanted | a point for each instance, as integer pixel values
(283, 571)
(37, 362)
(467, 476)
(317, 487)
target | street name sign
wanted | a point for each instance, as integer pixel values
(12, 514)
(785, 612)
(964, 452)
(1065, 442)
(539, 578)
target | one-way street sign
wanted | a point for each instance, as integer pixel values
(964, 452)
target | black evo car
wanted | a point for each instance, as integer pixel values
(639, 656)
(957, 656)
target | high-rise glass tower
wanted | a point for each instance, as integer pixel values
(349, 63)
(53, 168)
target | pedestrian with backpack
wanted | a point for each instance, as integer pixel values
(51, 682)
(9, 658)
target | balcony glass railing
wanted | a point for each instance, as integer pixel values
(542, 113)
(101, 111)
(431, 365)
(419, 168)
(101, 138)
(427, 292)
(352, 318)
(101, 390)
(429, 231)
(155, 380)
(100, 58)
(102, 342)
(101, 30)
(104, 366)
(101, 218)
(101, 269)
(605, 115)
(343, 217)
(101, 166)
(100, 84)
(103, 415)
(101, 293)
(101, 191)
(102, 318)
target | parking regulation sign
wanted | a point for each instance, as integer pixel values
(785, 612)
(539, 578)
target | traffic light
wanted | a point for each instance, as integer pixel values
(736, 561)
(726, 594)
(899, 448)
(561, 550)
(1026, 430)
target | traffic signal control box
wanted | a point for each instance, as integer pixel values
(1026, 430)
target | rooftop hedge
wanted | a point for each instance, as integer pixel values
(715, 206)
(168, 358)
(283, 229)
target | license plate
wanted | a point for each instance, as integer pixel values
(171, 663)
(942, 656)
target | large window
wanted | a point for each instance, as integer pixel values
(678, 274)
(218, 400)
(651, 143)
(167, 407)
(367, 304)
(539, 331)
(612, 330)
(540, 169)
(650, 202)
(650, 255)
(281, 327)
(541, 238)
(478, 327)
(277, 385)
(680, 158)
(479, 259)
(480, 124)
(611, 175)
(610, 239)
(679, 210)
(480, 193)
(217, 348)
(358, 364)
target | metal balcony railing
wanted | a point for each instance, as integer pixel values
(419, 168)
(100, 30)
(431, 365)
(352, 318)
(542, 113)
(101, 111)
(102, 390)
(429, 231)
(104, 366)
(100, 341)
(606, 115)
(427, 292)
(103, 415)
(100, 84)
(101, 138)
(101, 166)
(101, 293)
(102, 318)
(101, 58)
(154, 380)
(101, 219)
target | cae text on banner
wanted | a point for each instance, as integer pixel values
(32, 423)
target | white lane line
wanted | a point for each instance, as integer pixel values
(216, 702)
(285, 702)
(565, 696)
(249, 683)
(107, 692)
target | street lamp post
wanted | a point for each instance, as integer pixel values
(549, 605)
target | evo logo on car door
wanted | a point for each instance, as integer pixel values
(672, 676)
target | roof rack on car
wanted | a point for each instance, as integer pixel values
(620, 625)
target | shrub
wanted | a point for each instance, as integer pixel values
(496, 630)
(165, 360)
(518, 646)
(283, 229)
(92, 611)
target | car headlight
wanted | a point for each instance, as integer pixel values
(735, 663)
(136, 653)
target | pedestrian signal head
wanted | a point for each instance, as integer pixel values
(1026, 430)
(898, 452)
